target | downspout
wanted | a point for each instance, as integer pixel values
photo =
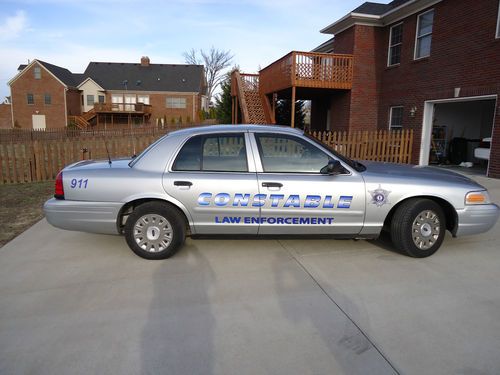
(65, 107)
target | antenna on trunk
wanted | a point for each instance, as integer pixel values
(107, 151)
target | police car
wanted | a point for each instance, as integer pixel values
(263, 180)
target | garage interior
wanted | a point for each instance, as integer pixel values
(458, 129)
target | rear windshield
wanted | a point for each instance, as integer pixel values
(138, 157)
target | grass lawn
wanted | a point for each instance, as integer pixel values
(21, 207)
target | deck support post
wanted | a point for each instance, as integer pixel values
(292, 122)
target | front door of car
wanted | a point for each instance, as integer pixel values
(212, 177)
(296, 198)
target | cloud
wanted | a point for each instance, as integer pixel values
(12, 26)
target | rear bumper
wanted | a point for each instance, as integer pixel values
(93, 217)
(477, 219)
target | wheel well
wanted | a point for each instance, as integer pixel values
(129, 207)
(448, 210)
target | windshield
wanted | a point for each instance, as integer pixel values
(352, 163)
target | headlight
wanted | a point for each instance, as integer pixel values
(477, 197)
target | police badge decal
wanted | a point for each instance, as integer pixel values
(379, 196)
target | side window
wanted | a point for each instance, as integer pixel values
(213, 153)
(189, 157)
(288, 154)
(225, 153)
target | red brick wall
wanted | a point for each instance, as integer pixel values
(365, 85)
(358, 109)
(5, 116)
(73, 102)
(54, 113)
(464, 53)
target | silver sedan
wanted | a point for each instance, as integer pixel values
(263, 180)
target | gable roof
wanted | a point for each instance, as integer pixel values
(111, 76)
(62, 74)
(154, 77)
(378, 9)
(376, 14)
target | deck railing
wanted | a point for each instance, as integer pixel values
(122, 107)
(308, 69)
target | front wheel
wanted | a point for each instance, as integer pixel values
(418, 227)
(154, 230)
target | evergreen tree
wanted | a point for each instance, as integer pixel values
(284, 110)
(223, 102)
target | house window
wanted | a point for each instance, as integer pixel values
(101, 99)
(176, 102)
(144, 99)
(37, 72)
(47, 99)
(395, 43)
(498, 22)
(30, 98)
(396, 118)
(90, 99)
(424, 34)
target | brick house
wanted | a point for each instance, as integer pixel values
(428, 65)
(48, 96)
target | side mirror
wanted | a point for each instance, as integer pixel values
(332, 168)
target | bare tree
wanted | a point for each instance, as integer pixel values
(215, 62)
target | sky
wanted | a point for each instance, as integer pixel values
(71, 33)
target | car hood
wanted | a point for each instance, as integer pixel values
(405, 171)
(100, 164)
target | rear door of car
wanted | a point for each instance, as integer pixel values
(295, 197)
(213, 176)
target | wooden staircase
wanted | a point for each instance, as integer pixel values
(89, 115)
(255, 108)
(79, 122)
(83, 121)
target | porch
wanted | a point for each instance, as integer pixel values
(295, 76)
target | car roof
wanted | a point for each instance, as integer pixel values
(235, 128)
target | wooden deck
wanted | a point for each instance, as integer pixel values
(308, 70)
(125, 108)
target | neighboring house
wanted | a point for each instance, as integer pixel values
(428, 65)
(47, 96)
(43, 96)
(5, 116)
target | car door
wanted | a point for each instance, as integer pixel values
(213, 176)
(295, 197)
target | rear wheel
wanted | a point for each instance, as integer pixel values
(155, 230)
(418, 227)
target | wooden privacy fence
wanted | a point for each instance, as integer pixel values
(42, 159)
(382, 145)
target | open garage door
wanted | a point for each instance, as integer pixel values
(457, 132)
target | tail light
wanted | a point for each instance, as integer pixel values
(59, 191)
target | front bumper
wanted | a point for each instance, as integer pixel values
(477, 219)
(93, 217)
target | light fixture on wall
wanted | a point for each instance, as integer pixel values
(413, 111)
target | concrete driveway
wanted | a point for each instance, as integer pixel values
(76, 303)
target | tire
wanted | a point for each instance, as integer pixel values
(155, 230)
(418, 227)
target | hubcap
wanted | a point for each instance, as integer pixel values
(153, 233)
(425, 229)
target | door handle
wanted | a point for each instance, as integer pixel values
(272, 184)
(183, 183)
